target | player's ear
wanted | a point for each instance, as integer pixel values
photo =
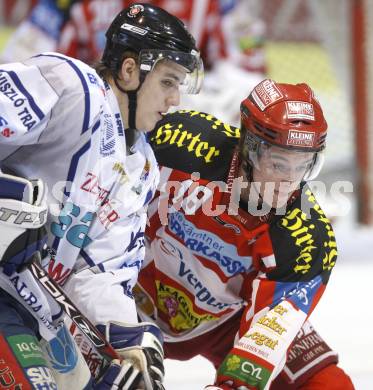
(129, 73)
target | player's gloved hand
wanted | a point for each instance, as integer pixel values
(121, 375)
(23, 213)
(140, 344)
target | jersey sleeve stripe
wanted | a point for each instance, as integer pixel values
(89, 261)
(96, 126)
(23, 90)
(87, 110)
(74, 164)
(58, 315)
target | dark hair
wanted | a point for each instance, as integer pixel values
(107, 73)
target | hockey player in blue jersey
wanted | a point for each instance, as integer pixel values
(81, 133)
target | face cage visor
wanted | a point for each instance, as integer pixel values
(192, 63)
(284, 163)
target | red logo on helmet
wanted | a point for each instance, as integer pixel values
(300, 110)
(266, 93)
(135, 10)
(301, 138)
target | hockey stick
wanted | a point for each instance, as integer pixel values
(86, 327)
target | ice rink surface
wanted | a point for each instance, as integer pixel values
(344, 316)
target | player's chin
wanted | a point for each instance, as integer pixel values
(152, 120)
(275, 200)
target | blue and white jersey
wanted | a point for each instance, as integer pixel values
(61, 123)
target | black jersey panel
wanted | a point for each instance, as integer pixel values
(192, 141)
(303, 242)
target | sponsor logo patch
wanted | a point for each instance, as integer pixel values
(135, 29)
(300, 110)
(266, 93)
(62, 352)
(182, 138)
(308, 349)
(11, 374)
(41, 378)
(7, 132)
(202, 293)
(300, 138)
(119, 124)
(22, 218)
(123, 177)
(170, 249)
(244, 371)
(12, 89)
(27, 350)
(179, 308)
(301, 294)
(91, 357)
(28, 297)
(208, 246)
(107, 142)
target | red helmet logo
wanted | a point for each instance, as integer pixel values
(301, 138)
(266, 93)
(135, 10)
(300, 110)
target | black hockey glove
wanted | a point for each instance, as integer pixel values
(23, 213)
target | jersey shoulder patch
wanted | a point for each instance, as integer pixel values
(303, 241)
(193, 141)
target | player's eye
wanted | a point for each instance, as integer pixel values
(280, 167)
(169, 83)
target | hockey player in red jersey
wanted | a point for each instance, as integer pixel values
(239, 251)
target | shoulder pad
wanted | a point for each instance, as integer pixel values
(303, 242)
(193, 141)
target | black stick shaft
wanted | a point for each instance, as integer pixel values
(86, 327)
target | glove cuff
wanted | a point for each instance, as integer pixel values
(122, 335)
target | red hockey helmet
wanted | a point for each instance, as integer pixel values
(287, 116)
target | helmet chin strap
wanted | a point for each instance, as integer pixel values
(132, 106)
(248, 169)
(130, 132)
(132, 100)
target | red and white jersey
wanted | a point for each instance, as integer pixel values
(205, 261)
